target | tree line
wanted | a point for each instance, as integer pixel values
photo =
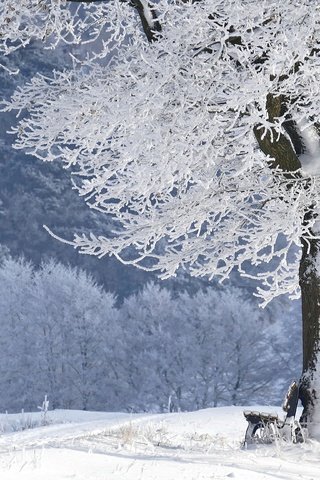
(64, 336)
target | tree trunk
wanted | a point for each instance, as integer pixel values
(309, 389)
(284, 155)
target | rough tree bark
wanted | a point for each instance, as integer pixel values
(310, 296)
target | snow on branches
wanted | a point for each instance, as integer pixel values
(27, 20)
(164, 138)
(54, 21)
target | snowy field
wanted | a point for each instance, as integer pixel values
(203, 445)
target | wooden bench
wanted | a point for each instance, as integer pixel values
(267, 427)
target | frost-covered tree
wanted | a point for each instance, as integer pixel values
(18, 343)
(57, 334)
(197, 351)
(74, 317)
(234, 357)
(200, 137)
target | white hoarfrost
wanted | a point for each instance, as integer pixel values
(310, 159)
(162, 138)
(147, 12)
(61, 21)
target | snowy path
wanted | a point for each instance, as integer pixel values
(204, 445)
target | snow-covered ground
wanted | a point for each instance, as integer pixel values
(203, 445)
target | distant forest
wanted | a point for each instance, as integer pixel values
(64, 336)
